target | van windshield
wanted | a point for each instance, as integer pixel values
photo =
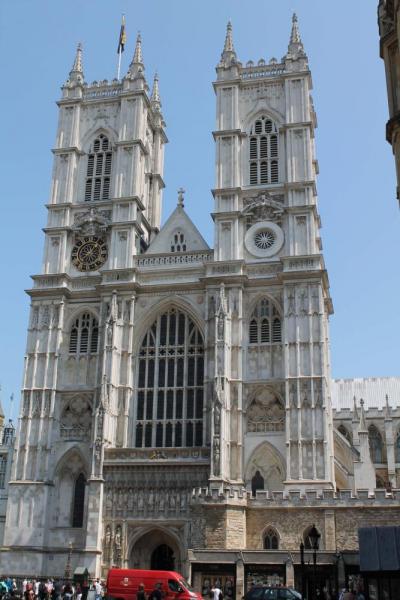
(185, 584)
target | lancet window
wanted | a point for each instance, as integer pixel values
(3, 467)
(169, 402)
(263, 152)
(178, 242)
(265, 324)
(271, 539)
(84, 336)
(375, 444)
(78, 501)
(98, 175)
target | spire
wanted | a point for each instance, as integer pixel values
(228, 55)
(295, 48)
(136, 68)
(76, 73)
(355, 411)
(388, 416)
(362, 426)
(295, 35)
(155, 94)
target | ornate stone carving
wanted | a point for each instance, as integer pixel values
(76, 419)
(263, 208)
(265, 413)
(91, 222)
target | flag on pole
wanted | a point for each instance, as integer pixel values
(122, 37)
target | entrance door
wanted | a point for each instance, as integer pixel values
(162, 558)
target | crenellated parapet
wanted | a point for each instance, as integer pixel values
(361, 498)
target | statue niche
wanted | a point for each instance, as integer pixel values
(265, 413)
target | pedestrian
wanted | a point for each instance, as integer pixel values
(141, 594)
(98, 589)
(348, 595)
(67, 591)
(216, 592)
(156, 594)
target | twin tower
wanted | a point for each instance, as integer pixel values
(154, 364)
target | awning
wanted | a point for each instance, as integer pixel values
(379, 548)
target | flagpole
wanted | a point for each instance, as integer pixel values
(119, 63)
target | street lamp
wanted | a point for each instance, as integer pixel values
(302, 568)
(313, 536)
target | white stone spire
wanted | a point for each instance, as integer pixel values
(295, 48)
(228, 55)
(155, 94)
(136, 68)
(76, 73)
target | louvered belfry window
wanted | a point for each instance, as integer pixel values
(263, 152)
(98, 174)
(265, 324)
(84, 336)
(170, 384)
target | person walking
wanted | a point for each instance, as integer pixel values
(141, 594)
(156, 594)
(216, 592)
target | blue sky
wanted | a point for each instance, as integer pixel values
(182, 40)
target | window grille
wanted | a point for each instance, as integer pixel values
(265, 324)
(170, 374)
(79, 501)
(271, 539)
(84, 336)
(98, 173)
(3, 468)
(263, 152)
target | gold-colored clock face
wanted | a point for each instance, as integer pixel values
(89, 253)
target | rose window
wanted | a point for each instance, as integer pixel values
(264, 239)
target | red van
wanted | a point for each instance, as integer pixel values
(123, 584)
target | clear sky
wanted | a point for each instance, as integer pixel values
(182, 40)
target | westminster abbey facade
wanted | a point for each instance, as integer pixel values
(177, 404)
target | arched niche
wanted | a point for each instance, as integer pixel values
(265, 412)
(266, 462)
(156, 546)
(70, 497)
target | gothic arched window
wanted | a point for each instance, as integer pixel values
(263, 152)
(84, 336)
(265, 324)
(375, 444)
(3, 467)
(169, 402)
(397, 449)
(271, 539)
(257, 482)
(98, 175)
(78, 501)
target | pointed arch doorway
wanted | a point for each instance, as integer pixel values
(162, 558)
(156, 549)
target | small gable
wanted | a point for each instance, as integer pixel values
(178, 234)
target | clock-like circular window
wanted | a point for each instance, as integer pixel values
(89, 253)
(264, 239)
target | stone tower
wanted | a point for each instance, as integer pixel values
(272, 360)
(104, 208)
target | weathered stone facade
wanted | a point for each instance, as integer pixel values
(177, 401)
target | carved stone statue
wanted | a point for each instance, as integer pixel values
(216, 456)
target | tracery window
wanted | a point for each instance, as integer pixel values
(265, 324)
(84, 336)
(98, 175)
(375, 444)
(169, 402)
(3, 467)
(271, 539)
(78, 501)
(263, 152)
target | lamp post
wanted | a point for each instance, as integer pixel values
(314, 536)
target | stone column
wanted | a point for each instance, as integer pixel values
(239, 579)
(289, 573)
